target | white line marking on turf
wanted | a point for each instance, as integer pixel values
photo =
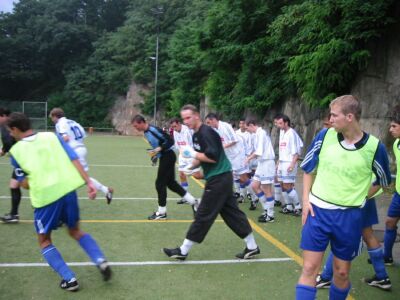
(114, 198)
(113, 166)
(154, 263)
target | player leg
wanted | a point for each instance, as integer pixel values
(13, 216)
(393, 217)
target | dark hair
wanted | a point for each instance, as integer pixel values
(175, 120)
(395, 114)
(190, 107)
(57, 112)
(242, 120)
(19, 121)
(284, 117)
(252, 122)
(138, 119)
(4, 112)
(212, 116)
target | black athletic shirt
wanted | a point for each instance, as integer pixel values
(206, 140)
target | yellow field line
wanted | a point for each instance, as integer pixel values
(281, 246)
(130, 221)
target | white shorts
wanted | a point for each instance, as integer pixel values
(265, 172)
(238, 165)
(183, 163)
(283, 174)
(82, 152)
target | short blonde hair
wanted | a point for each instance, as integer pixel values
(56, 112)
(349, 105)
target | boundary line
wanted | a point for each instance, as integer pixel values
(130, 221)
(154, 263)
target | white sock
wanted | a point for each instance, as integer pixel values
(162, 210)
(288, 203)
(250, 242)
(186, 246)
(252, 193)
(236, 185)
(270, 208)
(99, 186)
(263, 201)
(294, 199)
(277, 192)
(189, 198)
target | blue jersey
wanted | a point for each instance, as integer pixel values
(380, 164)
(20, 175)
(158, 138)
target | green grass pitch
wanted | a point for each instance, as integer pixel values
(134, 244)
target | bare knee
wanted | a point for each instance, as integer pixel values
(391, 223)
(76, 233)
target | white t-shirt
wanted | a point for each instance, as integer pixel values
(262, 145)
(73, 130)
(290, 144)
(247, 141)
(183, 138)
(228, 136)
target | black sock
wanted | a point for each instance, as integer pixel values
(15, 200)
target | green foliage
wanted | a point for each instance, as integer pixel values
(240, 54)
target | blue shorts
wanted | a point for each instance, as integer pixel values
(64, 210)
(394, 208)
(341, 227)
(369, 213)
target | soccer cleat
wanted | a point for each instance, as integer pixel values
(105, 270)
(236, 195)
(69, 285)
(266, 219)
(247, 253)
(297, 212)
(109, 195)
(277, 203)
(182, 201)
(387, 260)
(157, 216)
(286, 211)
(383, 284)
(322, 283)
(253, 205)
(10, 219)
(241, 199)
(248, 196)
(175, 253)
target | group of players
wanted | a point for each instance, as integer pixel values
(339, 167)
(251, 154)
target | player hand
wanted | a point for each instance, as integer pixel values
(188, 170)
(154, 160)
(91, 190)
(307, 209)
(188, 152)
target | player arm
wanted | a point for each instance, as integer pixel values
(381, 169)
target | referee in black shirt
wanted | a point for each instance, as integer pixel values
(218, 192)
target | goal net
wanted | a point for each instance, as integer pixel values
(37, 113)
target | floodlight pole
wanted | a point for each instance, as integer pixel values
(157, 11)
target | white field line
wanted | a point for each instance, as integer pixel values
(155, 263)
(114, 198)
(112, 166)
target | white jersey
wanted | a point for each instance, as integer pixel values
(290, 144)
(262, 145)
(183, 138)
(228, 136)
(73, 130)
(247, 141)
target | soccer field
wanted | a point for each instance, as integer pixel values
(132, 244)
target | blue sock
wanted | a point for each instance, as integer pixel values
(92, 249)
(288, 191)
(338, 294)
(389, 239)
(242, 185)
(55, 260)
(184, 184)
(376, 256)
(305, 292)
(247, 183)
(260, 194)
(269, 199)
(327, 273)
